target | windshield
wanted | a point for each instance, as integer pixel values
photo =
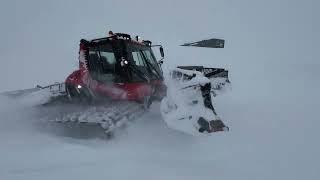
(104, 62)
(143, 58)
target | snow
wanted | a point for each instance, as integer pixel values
(178, 108)
(272, 110)
(262, 144)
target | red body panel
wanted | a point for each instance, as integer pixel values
(74, 78)
(128, 90)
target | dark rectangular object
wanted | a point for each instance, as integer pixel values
(209, 43)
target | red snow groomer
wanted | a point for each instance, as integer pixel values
(119, 77)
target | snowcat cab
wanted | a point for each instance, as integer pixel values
(117, 67)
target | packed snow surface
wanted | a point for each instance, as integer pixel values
(278, 142)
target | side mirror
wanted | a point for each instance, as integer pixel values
(161, 51)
